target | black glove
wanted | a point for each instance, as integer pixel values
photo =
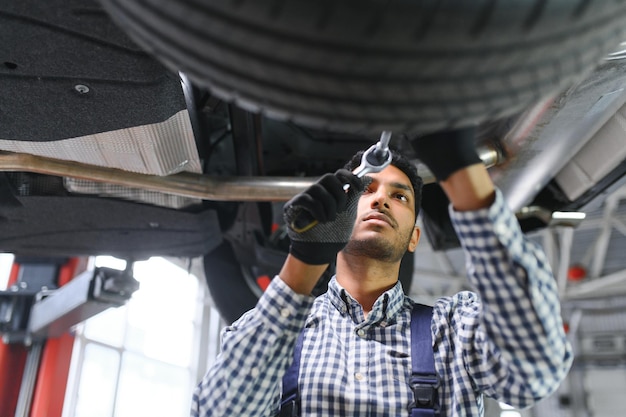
(447, 151)
(334, 209)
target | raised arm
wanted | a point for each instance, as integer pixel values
(258, 348)
(512, 338)
(514, 346)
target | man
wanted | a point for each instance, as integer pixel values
(506, 340)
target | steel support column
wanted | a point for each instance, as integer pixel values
(54, 367)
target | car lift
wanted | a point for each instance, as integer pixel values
(44, 299)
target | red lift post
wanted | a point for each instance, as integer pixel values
(12, 361)
(46, 297)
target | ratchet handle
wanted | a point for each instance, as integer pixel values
(375, 159)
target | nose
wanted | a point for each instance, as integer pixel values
(380, 198)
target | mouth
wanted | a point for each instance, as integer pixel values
(379, 217)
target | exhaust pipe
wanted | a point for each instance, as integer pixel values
(184, 184)
(187, 184)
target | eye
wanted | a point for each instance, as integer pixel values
(402, 197)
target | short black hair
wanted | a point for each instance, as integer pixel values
(403, 164)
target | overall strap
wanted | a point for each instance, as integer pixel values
(290, 401)
(424, 379)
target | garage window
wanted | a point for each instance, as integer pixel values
(142, 358)
(6, 261)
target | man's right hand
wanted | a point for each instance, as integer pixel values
(334, 209)
(447, 152)
(452, 157)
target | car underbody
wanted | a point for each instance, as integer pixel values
(107, 150)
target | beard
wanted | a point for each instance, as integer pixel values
(380, 248)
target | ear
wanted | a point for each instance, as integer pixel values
(415, 238)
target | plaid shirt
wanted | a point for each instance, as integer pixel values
(505, 340)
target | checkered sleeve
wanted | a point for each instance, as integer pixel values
(256, 350)
(515, 348)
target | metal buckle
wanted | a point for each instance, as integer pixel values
(424, 391)
(289, 408)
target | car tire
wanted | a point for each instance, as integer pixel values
(369, 65)
(230, 293)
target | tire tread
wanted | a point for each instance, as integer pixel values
(342, 83)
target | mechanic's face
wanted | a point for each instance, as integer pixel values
(385, 224)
